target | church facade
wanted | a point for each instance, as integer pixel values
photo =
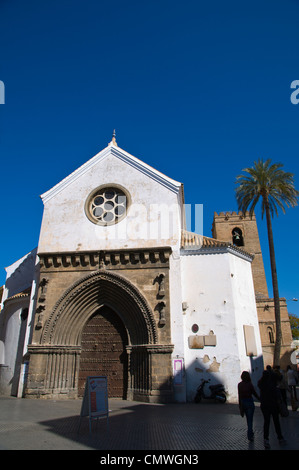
(118, 287)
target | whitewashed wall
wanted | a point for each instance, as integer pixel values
(14, 331)
(19, 275)
(218, 289)
(12, 347)
(177, 327)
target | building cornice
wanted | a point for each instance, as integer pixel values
(106, 259)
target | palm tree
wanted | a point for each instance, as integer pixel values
(276, 189)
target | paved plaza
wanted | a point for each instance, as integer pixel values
(28, 424)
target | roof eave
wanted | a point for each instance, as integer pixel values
(116, 151)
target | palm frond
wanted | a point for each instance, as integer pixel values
(270, 183)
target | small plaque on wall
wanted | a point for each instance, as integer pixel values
(250, 343)
(210, 339)
(196, 342)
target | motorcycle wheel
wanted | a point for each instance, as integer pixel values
(221, 397)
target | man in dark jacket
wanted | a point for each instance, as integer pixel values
(269, 405)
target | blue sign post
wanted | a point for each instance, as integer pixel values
(95, 400)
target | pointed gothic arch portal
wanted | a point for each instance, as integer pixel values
(103, 299)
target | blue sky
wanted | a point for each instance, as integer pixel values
(197, 89)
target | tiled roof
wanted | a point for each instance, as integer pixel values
(24, 293)
(190, 240)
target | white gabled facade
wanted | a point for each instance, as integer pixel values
(65, 226)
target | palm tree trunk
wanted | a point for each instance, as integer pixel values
(277, 347)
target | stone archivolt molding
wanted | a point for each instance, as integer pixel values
(86, 296)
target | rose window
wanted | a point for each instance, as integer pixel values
(107, 205)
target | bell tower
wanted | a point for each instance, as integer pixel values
(242, 232)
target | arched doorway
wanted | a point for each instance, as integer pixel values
(55, 363)
(103, 352)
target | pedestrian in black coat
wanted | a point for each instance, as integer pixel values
(269, 405)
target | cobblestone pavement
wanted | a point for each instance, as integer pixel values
(28, 424)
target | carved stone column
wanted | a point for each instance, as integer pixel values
(53, 371)
(150, 373)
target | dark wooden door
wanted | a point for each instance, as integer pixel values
(103, 344)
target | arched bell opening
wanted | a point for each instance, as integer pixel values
(237, 236)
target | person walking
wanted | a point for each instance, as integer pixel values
(292, 382)
(281, 383)
(269, 405)
(246, 391)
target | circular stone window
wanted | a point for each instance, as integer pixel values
(107, 205)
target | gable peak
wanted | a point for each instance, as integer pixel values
(113, 141)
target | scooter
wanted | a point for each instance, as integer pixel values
(217, 392)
